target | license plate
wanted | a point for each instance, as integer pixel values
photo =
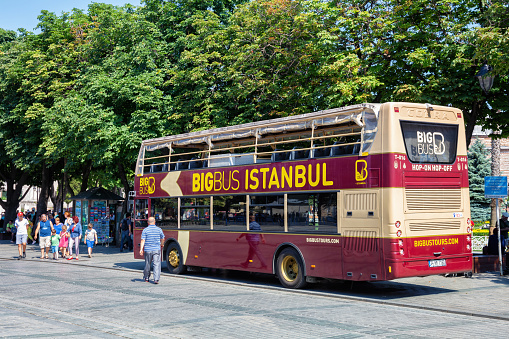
(437, 263)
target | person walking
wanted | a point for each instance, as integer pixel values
(64, 241)
(152, 238)
(55, 240)
(125, 232)
(21, 235)
(90, 239)
(29, 232)
(75, 237)
(44, 228)
(58, 225)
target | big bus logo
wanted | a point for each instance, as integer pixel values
(430, 143)
(147, 185)
(361, 170)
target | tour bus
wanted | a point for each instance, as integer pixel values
(366, 192)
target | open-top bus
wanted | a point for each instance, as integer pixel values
(365, 192)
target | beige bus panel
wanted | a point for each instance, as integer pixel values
(439, 221)
(360, 213)
(390, 130)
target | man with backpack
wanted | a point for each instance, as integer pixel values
(125, 232)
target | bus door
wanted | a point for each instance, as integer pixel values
(140, 216)
(360, 227)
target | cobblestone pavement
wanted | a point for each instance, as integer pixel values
(105, 297)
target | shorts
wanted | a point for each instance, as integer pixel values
(21, 238)
(54, 249)
(44, 242)
(90, 243)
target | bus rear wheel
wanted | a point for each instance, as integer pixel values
(290, 269)
(174, 259)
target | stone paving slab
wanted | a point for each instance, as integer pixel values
(101, 303)
(232, 304)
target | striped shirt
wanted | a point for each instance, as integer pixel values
(152, 236)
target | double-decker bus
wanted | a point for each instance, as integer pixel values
(364, 193)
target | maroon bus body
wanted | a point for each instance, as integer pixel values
(325, 255)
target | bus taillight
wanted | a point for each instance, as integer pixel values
(398, 233)
(398, 224)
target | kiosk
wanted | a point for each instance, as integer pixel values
(98, 206)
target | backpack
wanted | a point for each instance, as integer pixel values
(125, 224)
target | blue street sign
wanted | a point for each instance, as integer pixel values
(495, 187)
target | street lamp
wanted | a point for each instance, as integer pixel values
(485, 80)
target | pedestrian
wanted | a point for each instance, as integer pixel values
(75, 237)
(253, 240)
(504, 225)
(12, 230)
(90, 239)
(55, 240)
(58, 225)
(29, 231)
(21, 235)
(152, 238)
(44, 228)
(67, 219)
(52, 217)
(64, 241)
(125, 232)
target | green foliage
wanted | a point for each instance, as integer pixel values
(93, 84)
(479, 166)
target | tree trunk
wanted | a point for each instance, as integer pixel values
(127, 188)
(471, 119)
(495, 172)
(87, 168)
(14, 190)
(46, 181)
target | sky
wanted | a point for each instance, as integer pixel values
(16, 14)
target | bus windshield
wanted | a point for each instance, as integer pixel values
(429, 142)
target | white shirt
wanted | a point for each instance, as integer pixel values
(21, 226)
(90, 234)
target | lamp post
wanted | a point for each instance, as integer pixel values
(486, 82)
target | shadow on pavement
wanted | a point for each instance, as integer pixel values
(133, 265)
(383, 290)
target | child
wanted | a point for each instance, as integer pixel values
(90, 239)
(55, 240)
(12, 229)
(29, 231)
(64, 241)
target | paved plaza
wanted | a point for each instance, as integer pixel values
(105, 296)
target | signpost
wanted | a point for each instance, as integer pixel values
(496, 188)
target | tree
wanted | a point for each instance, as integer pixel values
(478, 168)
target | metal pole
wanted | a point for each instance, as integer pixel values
(499, 242)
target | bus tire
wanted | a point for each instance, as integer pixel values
(174, 259)
(290, 269)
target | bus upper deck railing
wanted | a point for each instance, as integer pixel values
(338, 132)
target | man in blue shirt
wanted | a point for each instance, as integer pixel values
(152, 238)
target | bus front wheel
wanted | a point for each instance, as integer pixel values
(290, 269)
(174, 259)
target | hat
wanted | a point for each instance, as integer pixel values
(20, 214)
(505, 214)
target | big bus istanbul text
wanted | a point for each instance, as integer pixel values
(262, 178)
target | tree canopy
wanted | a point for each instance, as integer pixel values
(77, 99)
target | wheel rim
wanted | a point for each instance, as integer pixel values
(289, 268)
(173, 258)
